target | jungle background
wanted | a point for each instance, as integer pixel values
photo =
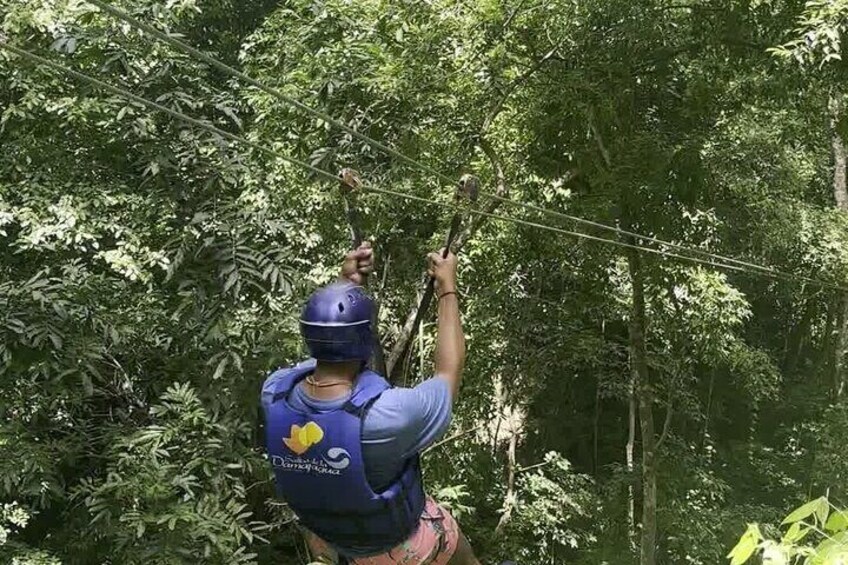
(618, 406)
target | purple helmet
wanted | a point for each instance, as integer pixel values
(336, 323)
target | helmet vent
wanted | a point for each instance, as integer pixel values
(341, 307)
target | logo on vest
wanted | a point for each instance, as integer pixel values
(300, 440)
(337, 458)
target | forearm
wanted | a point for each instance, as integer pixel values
(450, 343)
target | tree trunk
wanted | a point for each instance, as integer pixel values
(644, 396)
(825, 368)
(798, 336)
(500, 411)
(597, 419)
(628, 454)
(509, 499)
(841, 344)
(706, 431)
(840, 195)
(596, 429)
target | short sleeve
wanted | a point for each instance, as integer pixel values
(405, 421)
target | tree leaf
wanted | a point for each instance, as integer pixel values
(822, 510)
(802, 512)
(87, 385)
(232, 278)
(795, 533)
(219, 370)
(838, 521)
(746, 546)
(56, 339)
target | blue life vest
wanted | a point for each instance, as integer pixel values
(319, 469)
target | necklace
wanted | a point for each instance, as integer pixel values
(312, 382)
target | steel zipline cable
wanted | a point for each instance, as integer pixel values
(124, 93)
(208, 59)
(188, 49)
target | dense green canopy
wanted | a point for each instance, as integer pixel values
(619, 406)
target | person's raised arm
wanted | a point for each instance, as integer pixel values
(450, 343)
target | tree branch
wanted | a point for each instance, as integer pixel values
(668, 413)
(522, 78)
(598, 139)
(532, 467)
(513, 15)
(688, 7)
(456, 436)
(386, 264)
(509, 499)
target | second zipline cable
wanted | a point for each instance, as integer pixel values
(330, 176)
(208, 59)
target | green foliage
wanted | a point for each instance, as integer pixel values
(454, 498)
(175, 488)
(831, 457)
(821, 28)
(14, 519)
(817, 534)
(553, 507)
(151, 273)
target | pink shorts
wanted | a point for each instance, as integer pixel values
(433, 543)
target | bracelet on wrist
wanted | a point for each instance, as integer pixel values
(448, 293)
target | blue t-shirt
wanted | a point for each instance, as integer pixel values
(399, 424)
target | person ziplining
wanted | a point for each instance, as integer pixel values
(345, 446)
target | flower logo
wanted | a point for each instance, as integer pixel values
(302, 438)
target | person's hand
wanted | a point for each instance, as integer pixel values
(443, 269)
(358, 264)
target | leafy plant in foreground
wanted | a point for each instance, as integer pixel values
(817, 534)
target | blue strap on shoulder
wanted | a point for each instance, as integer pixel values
(282, 381)
(369, 385)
